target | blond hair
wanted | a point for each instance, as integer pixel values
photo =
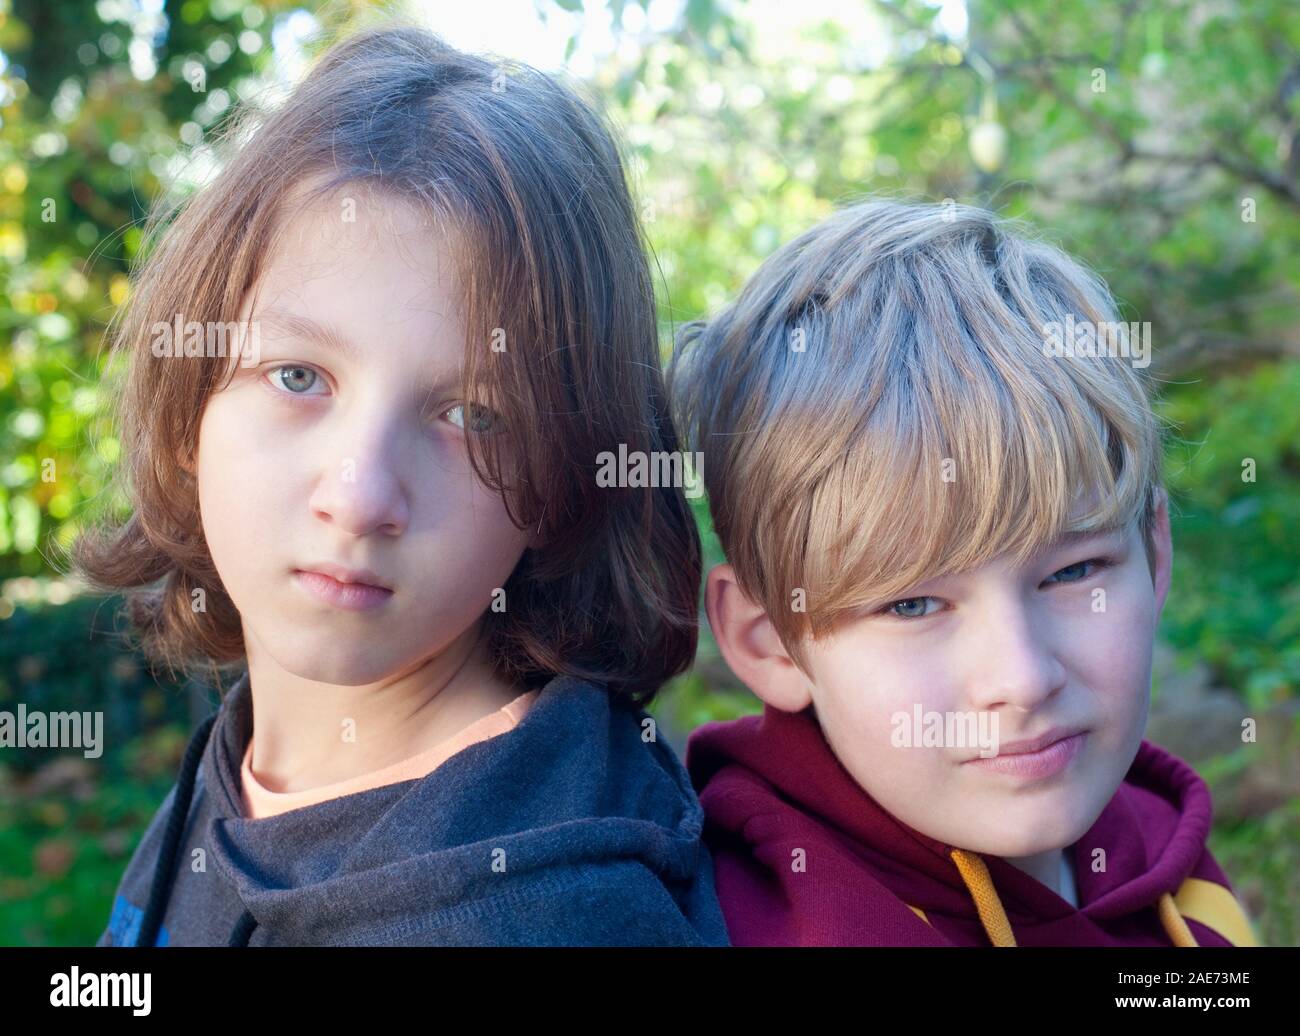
(878, 408)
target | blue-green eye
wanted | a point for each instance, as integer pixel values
(909, 609)
(1074, 573)
(295, 370)
(481, 419)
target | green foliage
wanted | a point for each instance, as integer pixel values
(1235, 602)
(72, 657)
(87, 141)
(1159, 143)
(69, 823)
(1262, 857)
(1125, 144)
(63, 850)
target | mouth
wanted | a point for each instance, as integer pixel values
(1047, 756)
(347, 576)
(350, 594)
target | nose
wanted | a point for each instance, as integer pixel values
(1012, 660)
(360, 489)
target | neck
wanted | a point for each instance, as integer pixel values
(307, 734)
(1045, 867)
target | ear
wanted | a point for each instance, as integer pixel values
(751, 646)
(1163, 547)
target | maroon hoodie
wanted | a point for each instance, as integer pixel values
(770, 784)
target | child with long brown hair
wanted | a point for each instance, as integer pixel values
(370, 369)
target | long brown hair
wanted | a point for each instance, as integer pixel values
(553, 259)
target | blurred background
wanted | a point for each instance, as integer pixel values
(1159, 142)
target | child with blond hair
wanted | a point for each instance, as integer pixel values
(947, 551)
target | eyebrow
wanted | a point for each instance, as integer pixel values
(305, 327)
(301, 326)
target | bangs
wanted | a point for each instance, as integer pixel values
(977, 446)
(887, 402)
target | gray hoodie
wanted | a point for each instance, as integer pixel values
(570, 829)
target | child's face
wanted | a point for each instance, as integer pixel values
(354, 457)
(1036, 646)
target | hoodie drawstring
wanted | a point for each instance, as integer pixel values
(1174, 923)
(975, 873)
(243, 930)
(165, 868)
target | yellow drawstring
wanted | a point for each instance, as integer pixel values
(1174, 923)
(975, 873)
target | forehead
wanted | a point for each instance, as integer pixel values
(361, 273)
(318, 227)
(395, 253)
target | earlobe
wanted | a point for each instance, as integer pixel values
(750, 644)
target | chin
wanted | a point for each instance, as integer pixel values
(333, 664)
(1041, 835)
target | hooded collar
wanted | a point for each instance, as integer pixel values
(574, 783)
(764, 779)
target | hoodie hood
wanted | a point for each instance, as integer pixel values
(569, 828)
(771, 786)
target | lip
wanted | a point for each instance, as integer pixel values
(352, 595)
(341, 574)
(1039, 757)
(1029, 745)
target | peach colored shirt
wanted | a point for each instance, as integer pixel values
(261, 802)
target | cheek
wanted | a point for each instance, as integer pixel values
(861, 686)
(232, 493)
(255, 487)
(471, 512)
(469, 546)
(1108, 650)
(234, 445)
(483, 542)
(856, 707)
